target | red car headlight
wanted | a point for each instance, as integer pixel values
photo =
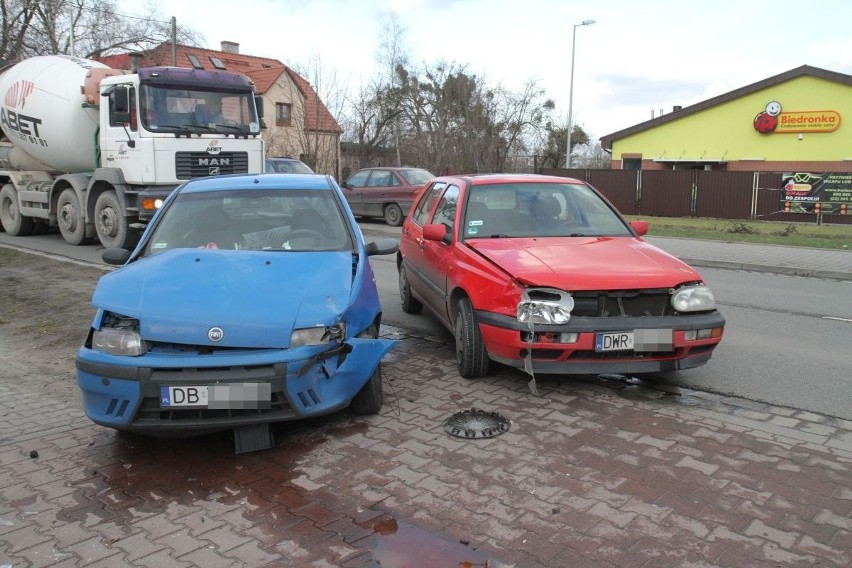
(545, 305)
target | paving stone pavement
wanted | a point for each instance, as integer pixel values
(594, 472)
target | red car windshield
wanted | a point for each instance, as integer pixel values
(539, 210)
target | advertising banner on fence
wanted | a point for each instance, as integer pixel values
(816, 193)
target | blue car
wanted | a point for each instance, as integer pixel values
(249, 300)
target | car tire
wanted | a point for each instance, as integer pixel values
(369, 399)
(471, 355)
(69, 216)
(410, 304)
(10, 213)
(393, 215)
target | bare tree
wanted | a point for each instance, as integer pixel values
(592, 156)
(87, 28)
(552, 149)
(454, 121)
(392, 54)
(370, 123)
(319, 139)
(17, 16)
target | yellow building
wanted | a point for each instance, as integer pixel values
(789, 122)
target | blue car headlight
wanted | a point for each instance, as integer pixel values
(693, 299)
(119, 335)
(319, 335)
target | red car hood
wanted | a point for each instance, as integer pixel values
(585, 263)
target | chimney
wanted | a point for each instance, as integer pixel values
(230, 47)
(676, 108)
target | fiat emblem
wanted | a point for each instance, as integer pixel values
(215, 334)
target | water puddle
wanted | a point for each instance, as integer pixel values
(403, 545)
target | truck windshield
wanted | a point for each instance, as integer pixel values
(185, 110)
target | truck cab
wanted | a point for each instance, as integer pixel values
(158, 127)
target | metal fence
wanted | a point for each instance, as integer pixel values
(696, 193)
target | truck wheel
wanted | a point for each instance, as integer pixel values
(10, 214)
(69, 216)
(393, 215)
(471, 356)
(111, 225)
(369, 398)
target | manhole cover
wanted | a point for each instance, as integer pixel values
(475, 423)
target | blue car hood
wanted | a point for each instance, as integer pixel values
(256, 298)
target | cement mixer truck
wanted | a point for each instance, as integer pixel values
(94, 150)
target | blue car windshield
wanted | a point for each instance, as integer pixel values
(539, 210)
(268, 220)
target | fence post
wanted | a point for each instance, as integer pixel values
(638, 195)
(755, 185)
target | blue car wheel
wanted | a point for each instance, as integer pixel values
(369, 398)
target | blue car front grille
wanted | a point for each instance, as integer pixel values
(151, 413)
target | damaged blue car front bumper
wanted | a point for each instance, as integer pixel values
(191, 393)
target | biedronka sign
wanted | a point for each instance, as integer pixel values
(773, 121)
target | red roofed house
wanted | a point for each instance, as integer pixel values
(298, 124)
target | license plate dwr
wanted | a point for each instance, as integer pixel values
(614, 341)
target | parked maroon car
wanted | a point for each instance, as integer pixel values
(543, 274)
(384, 192)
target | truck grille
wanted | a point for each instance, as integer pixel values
(190, 165)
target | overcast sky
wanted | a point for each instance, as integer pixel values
(639, 56)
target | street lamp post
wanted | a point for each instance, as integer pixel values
(571, 93)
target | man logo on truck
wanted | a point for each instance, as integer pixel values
(214, 161)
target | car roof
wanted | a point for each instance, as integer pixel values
(487, 179)
(395, 168)
(238, 182)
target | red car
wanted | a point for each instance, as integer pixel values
(542, 273)
(384, 192)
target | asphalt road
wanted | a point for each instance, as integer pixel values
(786, 339)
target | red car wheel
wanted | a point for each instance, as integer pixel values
(471, 356)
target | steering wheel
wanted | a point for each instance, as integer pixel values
(305, 234)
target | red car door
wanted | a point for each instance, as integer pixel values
(436, 257)
(411, 240)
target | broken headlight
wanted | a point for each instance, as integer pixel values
(317, 335)
(693, 299)
(119, 335)
(545, 305)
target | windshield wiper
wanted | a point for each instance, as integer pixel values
(240, 129)
(194, 127)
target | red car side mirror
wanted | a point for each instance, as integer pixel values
(435, 232)
(641, 227)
